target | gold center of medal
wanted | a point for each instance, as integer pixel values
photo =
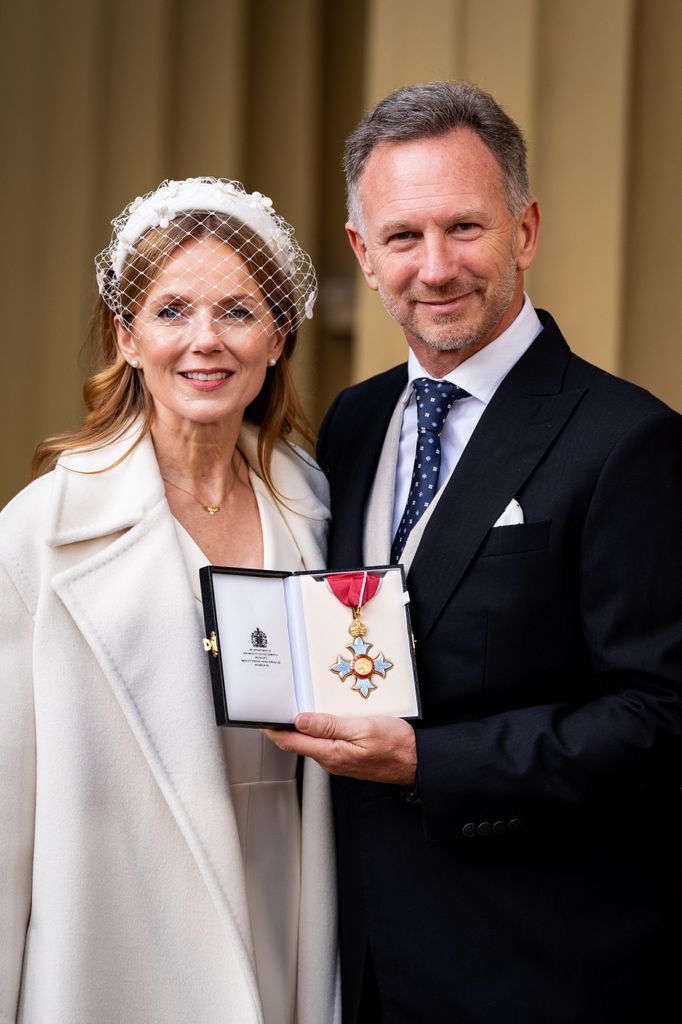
(363, 666)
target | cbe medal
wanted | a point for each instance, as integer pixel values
(355, 589)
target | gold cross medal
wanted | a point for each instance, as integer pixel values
(355, 589)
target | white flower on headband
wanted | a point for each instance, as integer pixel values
(165, 214)
(205, 195)
(158, 208)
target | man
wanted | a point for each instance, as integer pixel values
(516, 856)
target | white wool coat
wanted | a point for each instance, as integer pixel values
(122, 895)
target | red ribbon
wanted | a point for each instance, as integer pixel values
(347, 587)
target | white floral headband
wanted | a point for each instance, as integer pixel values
(201, 197)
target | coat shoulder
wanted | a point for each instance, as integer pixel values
(614, 406)
(610, 399)
(374, 393)
(358, 412)
(21, 518)
(381, 383)
(22, 534)
(612, 388)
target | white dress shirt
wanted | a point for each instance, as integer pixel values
(481, 375)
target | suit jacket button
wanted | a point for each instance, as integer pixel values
(469, 830)
(499, 827)
(484, 829)
(515, 824)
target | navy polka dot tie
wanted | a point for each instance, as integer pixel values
(435, 399)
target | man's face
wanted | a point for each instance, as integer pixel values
(440, 244)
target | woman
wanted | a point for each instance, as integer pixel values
(155, 868)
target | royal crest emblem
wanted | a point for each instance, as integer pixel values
(259, 638)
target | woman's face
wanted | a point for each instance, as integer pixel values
(203, 337)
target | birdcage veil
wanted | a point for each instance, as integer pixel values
(158, 228)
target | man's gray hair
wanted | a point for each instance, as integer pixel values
(430, 110)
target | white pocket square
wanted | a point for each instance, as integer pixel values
(512, 515)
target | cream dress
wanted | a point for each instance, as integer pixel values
(264, 793)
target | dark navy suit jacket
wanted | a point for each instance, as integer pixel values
(539, 879)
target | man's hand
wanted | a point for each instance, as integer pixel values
(379, 748)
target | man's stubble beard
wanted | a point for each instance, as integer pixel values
(438, 338)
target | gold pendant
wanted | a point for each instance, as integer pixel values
(357, 626)
(211, 509)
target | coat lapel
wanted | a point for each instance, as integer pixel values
(523, 419)
(132, 604)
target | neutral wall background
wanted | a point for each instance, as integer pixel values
(102, 100)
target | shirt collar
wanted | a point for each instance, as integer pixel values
(482, 373)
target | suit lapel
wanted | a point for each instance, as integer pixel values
(133, 606)
(357, 445)
(523, 419)
(379, 515)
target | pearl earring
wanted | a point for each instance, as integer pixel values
(272, 362)
(135, 363)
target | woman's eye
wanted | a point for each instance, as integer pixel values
(238, 313)
(169, 313)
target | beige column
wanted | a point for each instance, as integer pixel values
(206, 116)
(137, 126)
(490, 42)
(406, 43)
(499, 43)
(285, 84)
(498, 51)
(103, 101)
(70, 130)
(21, 251)
(653, 240)
(584, 65)
(49, 242)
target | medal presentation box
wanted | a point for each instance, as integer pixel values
(280, 643)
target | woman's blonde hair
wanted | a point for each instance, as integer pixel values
(116, 394)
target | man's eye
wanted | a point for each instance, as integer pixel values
(402, 236)
(466, 226)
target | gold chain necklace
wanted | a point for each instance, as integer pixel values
(211, 509)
